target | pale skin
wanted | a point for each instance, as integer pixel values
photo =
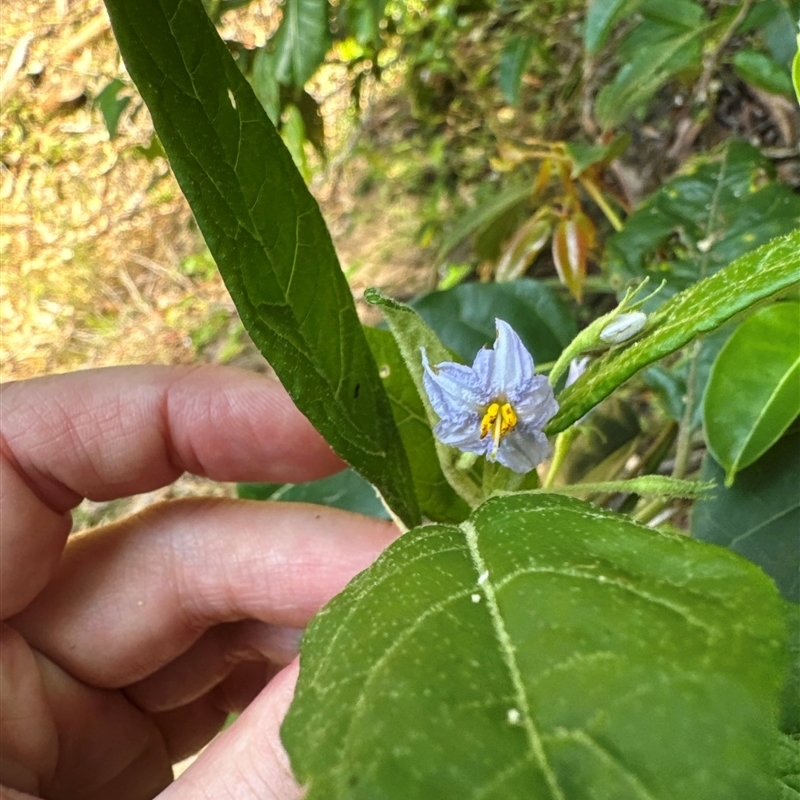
(123, 649)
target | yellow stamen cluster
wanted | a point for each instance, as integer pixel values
(499, 419)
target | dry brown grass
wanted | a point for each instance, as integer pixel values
(93, 234)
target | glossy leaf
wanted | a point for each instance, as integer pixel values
(720, 208)
(524, 247)
(463, 317)
(753, 393)
(514, 61)
(570, 251)
(759, 516)
(695, 311)
(543, 649)
(266, 233)
(437, 500)
(346, 490)
(600, 18)
(301, 41)
(763, 72)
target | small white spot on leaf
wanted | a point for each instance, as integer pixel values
(476, 598)
(483, 577)
(384, 371)
(513, 716)
(231, 98)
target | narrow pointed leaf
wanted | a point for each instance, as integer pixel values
(438, 501)
(266, 233)
(543, 650)
(700, 309)
(412, 334)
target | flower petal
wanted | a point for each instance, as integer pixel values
(513, 364)
(453, 389)
(523, 449)
(534, 403)
(464, 435)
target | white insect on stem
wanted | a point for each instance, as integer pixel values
(623, 327)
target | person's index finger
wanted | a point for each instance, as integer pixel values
(114, 432)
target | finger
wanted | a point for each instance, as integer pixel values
(185, 730)
(150, 586)
(249, 755)
(211, 659)
(110, 433)
(126, 759)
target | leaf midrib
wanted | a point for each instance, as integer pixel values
(508, 653)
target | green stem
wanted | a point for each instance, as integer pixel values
(563, 442)
(684, 447)
(594, 192)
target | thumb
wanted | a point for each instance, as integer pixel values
(247, 760)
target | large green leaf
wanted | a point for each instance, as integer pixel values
(759, 516)
(697, 310)
(302, 40)
(543, 650)
(463, 317)
(718, 209)
(753, 393)
(437, 500)
(265, 232)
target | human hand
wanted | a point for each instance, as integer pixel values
(123, 649)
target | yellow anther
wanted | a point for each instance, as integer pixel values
(509, 417)
(499, 419)
(489, 418)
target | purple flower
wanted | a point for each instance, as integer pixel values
(497, 407)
